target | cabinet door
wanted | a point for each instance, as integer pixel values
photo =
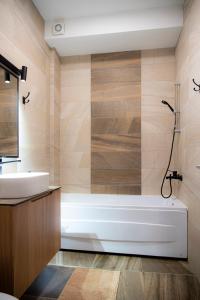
(20, 248)
(37, 237)
(6, 268)
(53, 224)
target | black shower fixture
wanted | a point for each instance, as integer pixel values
(174, 174)
(170, 107)
(7, 77)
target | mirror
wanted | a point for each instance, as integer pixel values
(8, 113)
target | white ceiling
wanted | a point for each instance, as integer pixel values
(97, 26)
(57, 9)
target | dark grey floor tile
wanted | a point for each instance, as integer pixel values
(117, 262)
(50, 282)
(163, 266)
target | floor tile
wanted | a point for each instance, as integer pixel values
(74, 259)
(163, 266)
(28, 297)
(117, 262)
(131, 286)
(170, 287)
(155, 286)
(91, 284)
(49, 283)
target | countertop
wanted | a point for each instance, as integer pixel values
(13, 202)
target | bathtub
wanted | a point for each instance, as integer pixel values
(140, 225)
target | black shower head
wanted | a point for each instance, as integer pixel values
(166, 103)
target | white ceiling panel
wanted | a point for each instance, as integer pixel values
(57, 9)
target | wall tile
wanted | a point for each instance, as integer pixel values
(75, 122)
(158, 83)
(188, 65)
(25, 45)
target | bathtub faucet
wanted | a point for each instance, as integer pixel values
(175, 176)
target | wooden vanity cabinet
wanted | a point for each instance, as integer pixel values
(29, 238)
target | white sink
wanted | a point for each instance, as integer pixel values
(19, 185)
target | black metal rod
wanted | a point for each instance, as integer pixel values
(8, 162)
(9, 66)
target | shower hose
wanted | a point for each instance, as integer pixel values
(168, 166)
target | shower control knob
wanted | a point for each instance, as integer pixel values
(175, 176)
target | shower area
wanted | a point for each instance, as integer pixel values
(120, 127)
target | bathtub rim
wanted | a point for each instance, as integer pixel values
(81, 199)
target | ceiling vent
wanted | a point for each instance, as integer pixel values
(58, 28)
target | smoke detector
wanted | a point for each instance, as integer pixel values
(58, 28)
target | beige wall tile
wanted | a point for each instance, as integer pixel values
(75, 122)
(159, 72)
(25, 45)
(76, 188)
(158, 83)
(188, 66)
(75, 176)
(76, 159)
(75, 93)
(158, 88)
(55, 99)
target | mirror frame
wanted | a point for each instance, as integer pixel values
(8, 66)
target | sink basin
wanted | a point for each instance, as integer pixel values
(19, 185)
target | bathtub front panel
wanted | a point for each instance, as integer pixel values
(156, 231)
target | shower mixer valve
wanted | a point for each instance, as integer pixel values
(175, 176)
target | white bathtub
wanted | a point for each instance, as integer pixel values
(143, 225)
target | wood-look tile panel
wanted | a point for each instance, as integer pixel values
(118, 177)
(114, 143)
(116, 74)
(116, 123)
(115, 91)
(125, 189)
(118, 126)
(124, 108)
(116, 160)
(117, 59)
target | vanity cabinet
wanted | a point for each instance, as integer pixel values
(29, 238)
